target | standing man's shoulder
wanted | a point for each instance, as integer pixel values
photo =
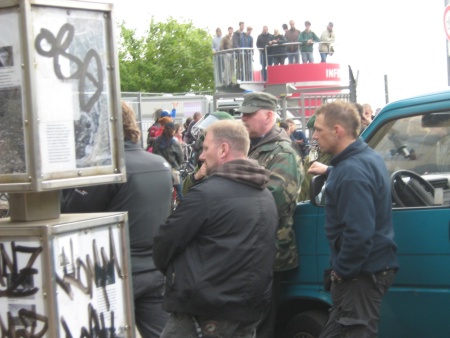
(138, 161)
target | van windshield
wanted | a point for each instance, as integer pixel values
(419, 143)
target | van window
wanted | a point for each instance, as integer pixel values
(416, 150)
(418, 143)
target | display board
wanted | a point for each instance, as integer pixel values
(88, 273)
(67, 278)
(22, 307)
(12, 142)
(60, 118)
(73, 99)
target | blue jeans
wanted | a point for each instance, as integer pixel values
(356, 305)
(148, 292)
(182, 325)
(323, 57)
(293, 58)
(307, 57)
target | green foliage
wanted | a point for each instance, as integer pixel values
(173, 57)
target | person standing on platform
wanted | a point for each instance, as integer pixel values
(292, 35)
(307, 39)
(326, 39)
(228, 63)
(261, 43)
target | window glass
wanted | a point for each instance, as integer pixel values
(418, 143)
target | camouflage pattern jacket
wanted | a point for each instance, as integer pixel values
(275, 153)
(322, 158)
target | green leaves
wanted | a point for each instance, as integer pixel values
(173, 57)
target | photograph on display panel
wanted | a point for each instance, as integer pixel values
(74, 104)
(12, 144)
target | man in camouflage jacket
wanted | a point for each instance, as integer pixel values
(272, 148)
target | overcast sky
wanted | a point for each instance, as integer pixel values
(402, 39)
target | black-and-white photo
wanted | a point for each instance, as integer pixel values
(6, 56)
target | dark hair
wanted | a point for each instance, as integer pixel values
(360, 109)
(168, 130)
(187, 122)
(285, 26)
(284, 125)
(157, 114)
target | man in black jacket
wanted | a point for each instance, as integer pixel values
(217, 249)
(263, 40)
(147, 197)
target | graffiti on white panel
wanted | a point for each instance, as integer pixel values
(20, 303)
(89, 276)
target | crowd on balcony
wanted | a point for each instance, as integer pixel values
(274, 49)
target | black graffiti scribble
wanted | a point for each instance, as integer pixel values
(102, 271)
(81, 271)
(58, 48)
(29, 324)
(19, 282)
(96, 327)
(104, 268)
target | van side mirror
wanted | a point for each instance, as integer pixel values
(316, 195)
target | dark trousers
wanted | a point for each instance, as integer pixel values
(262, 59)
(148, 290)
(266, 328)
(181, 325)
(356, 306)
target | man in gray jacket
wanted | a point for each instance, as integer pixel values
(217, 249)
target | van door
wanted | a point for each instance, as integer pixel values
(418, 302)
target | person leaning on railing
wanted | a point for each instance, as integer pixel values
(326, 39)
(307, 39)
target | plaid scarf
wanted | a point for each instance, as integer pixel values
(244, 171)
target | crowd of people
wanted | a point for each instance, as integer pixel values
(213, 265)
(274, 49)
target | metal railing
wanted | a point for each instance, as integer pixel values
(303, 102)
(233, 66)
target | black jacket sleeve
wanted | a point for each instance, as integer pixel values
(182, 226)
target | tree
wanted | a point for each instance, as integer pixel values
(174, 57)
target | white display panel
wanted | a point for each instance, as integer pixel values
(66, 280)
(22, 307)
(73, 97)
(88, 270)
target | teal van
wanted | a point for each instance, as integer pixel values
(413, 136)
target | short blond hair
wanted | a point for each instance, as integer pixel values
(231, 132)
(341, 113)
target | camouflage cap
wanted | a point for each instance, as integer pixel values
(255, 101)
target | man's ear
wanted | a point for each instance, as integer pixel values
(224, 149)
(270, 115)
(339, 131)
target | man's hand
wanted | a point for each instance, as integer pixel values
(317, 168)
(201, 173)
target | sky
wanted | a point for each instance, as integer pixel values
(403, 40)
